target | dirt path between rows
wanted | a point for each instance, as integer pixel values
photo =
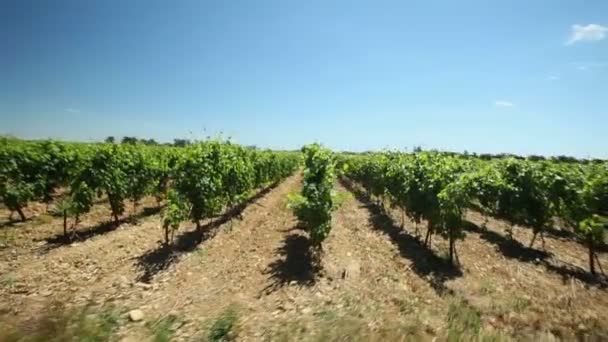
(374, 280)
(65, 272)
(522, 291)
(22, 243)
(115, 267)
(527, 293)
(261, 268)
(226, 270)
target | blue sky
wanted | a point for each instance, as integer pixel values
(527, 77)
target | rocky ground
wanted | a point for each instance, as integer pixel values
(252, 277)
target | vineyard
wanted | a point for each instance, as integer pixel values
(218, 241)
(440, 189)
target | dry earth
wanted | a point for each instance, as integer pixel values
(373, 281)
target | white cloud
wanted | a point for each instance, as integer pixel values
(589, 32)
(72, 110)
(588, 66)
(504, 104)
(553, 78)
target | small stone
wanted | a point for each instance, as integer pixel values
(122, 282)
(136, 315)
(306, 311)
(46, 293)
(144, 286)
(129, 339)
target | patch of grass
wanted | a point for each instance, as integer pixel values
(7, 238)
(406, 306)
(289, 331)
(164, 329)
(513, 303)
(344, 328)
(519, 304)
(340, 197)
(494, 337)
(349, 301)
(44, 219)
(108, 319)
(58, 323)
(392, 275)
(8, 281)
(326, 314)
(224, 327)
(201, 253)
(487, 287)
(464, 321)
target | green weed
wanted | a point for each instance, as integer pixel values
(464, 321)
(223, 328)
(164, 329)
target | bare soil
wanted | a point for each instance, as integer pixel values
(374, 280)
(519, 291)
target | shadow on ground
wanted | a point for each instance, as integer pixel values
(510, 248)
(157, 260)
(10, 222)
(297, 262)
(60, 240)
(513, 249)
(425, 263)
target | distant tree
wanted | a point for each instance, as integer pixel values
(535, 157)
(110, 140)
(181, 142)
(129, 140)
(565, 159)
(149, 141)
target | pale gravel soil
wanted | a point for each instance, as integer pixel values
(375, 281)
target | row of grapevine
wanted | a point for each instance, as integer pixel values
(314, 205)
(121, 172)
(212, 176)
(440, 188)
(32, 172)
(208, 175)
